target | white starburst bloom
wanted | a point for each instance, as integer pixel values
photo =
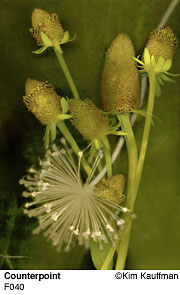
(67, 208)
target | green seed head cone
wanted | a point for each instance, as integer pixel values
(120, 84)
(42, 21)
(88, 119)
(42, 100)
(163, 43)
(112, 188)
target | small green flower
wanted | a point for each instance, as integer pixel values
(120, 83)
(157, 56)
(94, 127)
(89, 121)
(48, 107)
(47, 30)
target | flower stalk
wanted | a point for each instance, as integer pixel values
(125, 237)
(132, 150)
(64, 67)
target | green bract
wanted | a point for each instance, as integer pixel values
(156, 66)
(159, 67)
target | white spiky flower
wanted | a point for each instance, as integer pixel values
(67, 208)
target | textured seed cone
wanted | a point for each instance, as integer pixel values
(88, 119)
(120, 84)
(163, 43)
(112, 188)
(42, 100)
(42, 21)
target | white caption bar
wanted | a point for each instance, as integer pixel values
(89, 281)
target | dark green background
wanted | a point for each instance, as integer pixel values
(155, 239)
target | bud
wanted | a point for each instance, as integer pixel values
(120, 84)
(88, 119)
(42, 21)
(112, 188)
(163, 43)
(42, 100)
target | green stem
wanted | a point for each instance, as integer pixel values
(124, 243)
(64, 130)
(132, 152)
(152, 85)
(65, 69)
(133, 158)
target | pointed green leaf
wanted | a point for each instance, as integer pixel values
(99, 256)
(159, 64)
(167, 79)
(167, 65)
(40, 50)
(172, 75)
(64, 105)
(65, 38)
(63, 117)
(46, 40)
(146, 57)
(153, 62)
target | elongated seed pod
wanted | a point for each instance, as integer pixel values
(163, 43)
(42, 100)
(112, 188)
(120, 84)
(88, 119)
(42, 21)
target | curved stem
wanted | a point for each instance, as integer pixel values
(64, 130)
(65, 69)
(124, 243)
